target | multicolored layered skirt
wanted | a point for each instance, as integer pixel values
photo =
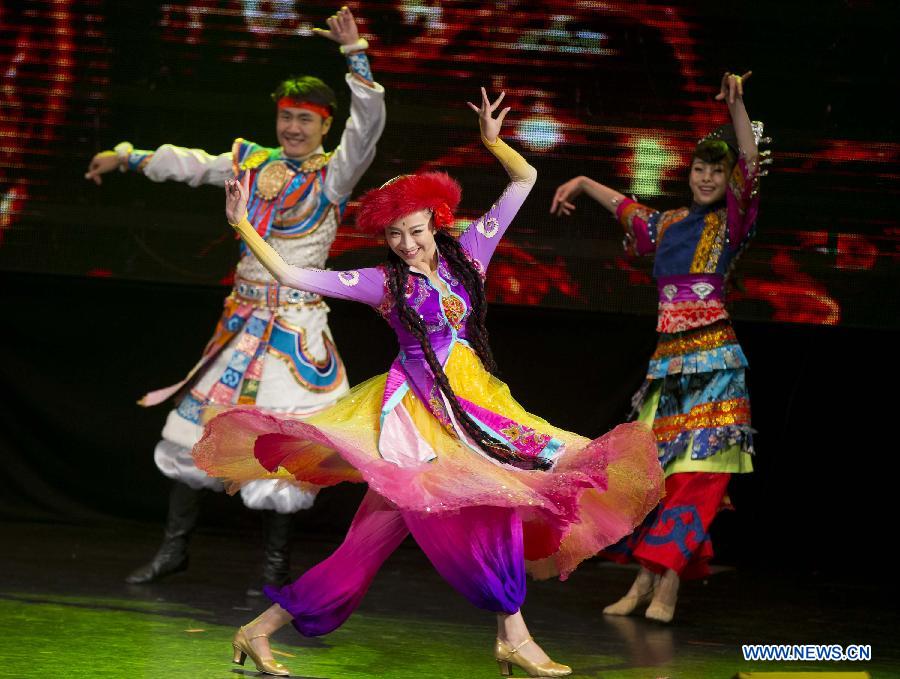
(695, 398)
(596, 492)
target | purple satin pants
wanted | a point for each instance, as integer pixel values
(478, 550)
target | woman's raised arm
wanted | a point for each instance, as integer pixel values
(362, 285)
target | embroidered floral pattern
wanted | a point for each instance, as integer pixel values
(359, 65)
(712, 240)
(416, 286)
(437, 408)
(525, 438)
(479, 267)
(708, 411)
(743, 185)
(454, 310)
(702, 339)
(489, 227)
(635, 216)
(436, 326)
(387, 300)
(349, 278)
(728, 357)
(704, 416)
(446, 273)
(681, 316)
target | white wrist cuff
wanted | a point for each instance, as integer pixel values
(358, 46)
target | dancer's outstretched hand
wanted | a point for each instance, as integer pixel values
(732, 86)
(490, 127)
(341, 28)
(562, 205)
(237, 191)
(103, 162)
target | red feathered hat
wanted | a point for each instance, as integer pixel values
(403, 195)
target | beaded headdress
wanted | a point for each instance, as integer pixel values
(726, 133)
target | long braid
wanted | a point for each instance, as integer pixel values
(397, 280)
(462, 266)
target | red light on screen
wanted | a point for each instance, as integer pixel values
(586, 101)
(36, 81)
(855, 251)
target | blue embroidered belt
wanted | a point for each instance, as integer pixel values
(272, 295)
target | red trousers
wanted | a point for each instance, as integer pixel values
(676, 534)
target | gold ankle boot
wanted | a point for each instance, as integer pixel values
(242, 648)
(507, 656)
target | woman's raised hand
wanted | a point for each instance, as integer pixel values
(732, 86)
(237, 191)
(490, 127)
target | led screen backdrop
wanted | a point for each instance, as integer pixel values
(620, 91)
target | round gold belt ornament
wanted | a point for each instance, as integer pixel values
(271, 179)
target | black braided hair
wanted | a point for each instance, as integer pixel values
(397, 278)
(471, 279)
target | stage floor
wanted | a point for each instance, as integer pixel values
(65, 612)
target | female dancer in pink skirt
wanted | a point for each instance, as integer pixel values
(486, 489)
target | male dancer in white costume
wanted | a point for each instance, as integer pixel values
(272, 346)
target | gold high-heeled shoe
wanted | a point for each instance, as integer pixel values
(507, 656)
(242, 648)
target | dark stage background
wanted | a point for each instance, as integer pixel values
(75, 447)
(620, 91)
(108, 292)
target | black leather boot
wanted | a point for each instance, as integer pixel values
(277, 555)
(172, 557)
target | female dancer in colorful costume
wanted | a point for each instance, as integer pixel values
(449, 456)
(695, 396)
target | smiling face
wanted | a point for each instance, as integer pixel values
(412, 238)
(299, 131)
(708, 181)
